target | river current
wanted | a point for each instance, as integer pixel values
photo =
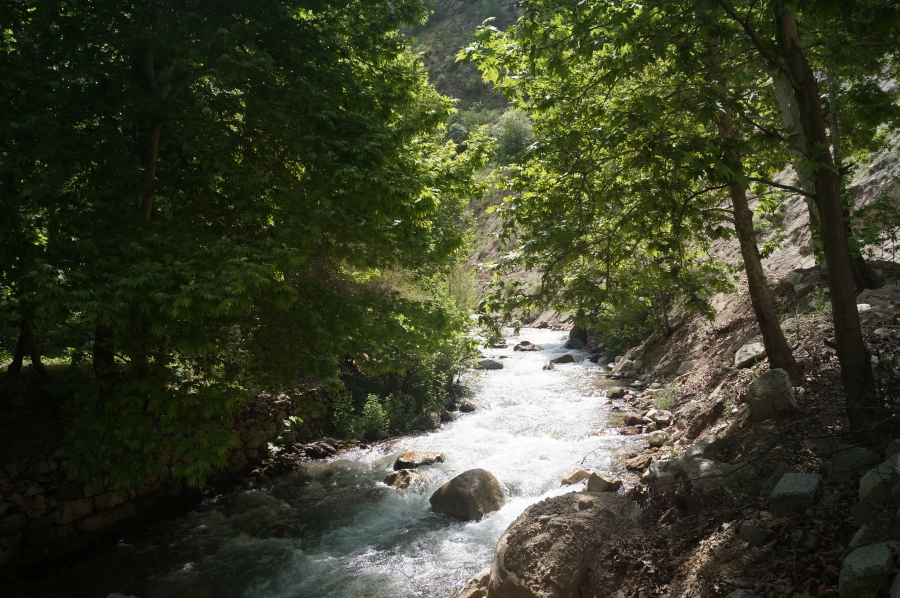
(353, 537)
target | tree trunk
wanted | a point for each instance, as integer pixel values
(26, 344)
(862, 277)
(777, 348)
(790, 116)
(104, 353)
(854, 356)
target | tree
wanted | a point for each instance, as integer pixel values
(676, 75)
(217, 196)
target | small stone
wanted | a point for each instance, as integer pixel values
(685, 367)
(753, 533)
(758, 555)
(574, 477)
(856, 540)
(403, 478)
(802, 290)
(599, 482)
(795, 492)
(466, 406)
(658, 438)
(866, 570)
(585, 504)
(630, 419)
(749, 354)
(794, 277)
(615, 392)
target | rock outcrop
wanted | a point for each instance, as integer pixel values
(469, 496)
(547, 551)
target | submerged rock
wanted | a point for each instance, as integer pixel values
(404, 478)
(527, 346)
(567, 358)
(547, 551)
(469, 496)
(412, 460)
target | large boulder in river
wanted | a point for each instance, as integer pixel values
(527, 346)
(404, 478)
(567, 358)
(469, 496)
(427, 421)
(547, 551)
(490, 364)
(412, 460)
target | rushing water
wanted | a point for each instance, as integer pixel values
(353, 537)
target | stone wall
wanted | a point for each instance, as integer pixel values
(43, 515)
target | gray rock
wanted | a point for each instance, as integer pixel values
(795, 492)
(466, 406)
(753, 533)
(427, 421)
(638, 365)
(863, 295)
(878, 482)
(404, 478)
(794, 277)
(749, 354)
(771, 395)
(567, 358)
(469, 496)
(856, 540)
(575, 344)
(802, 290)
(490, 364)
(615, 392)
(893, 448)
(773, 480)
(866, 570)
(599, 482)
(658, 438)
(685, 367)
(845, 463)
(891, 287)
(705, 448)
(661, 417)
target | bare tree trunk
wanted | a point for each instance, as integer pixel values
(26, 343)
(104, 354)
(854, 356)
(777, 348)
(790, 116)
(862, 277)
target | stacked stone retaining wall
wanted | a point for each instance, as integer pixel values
(44, 515)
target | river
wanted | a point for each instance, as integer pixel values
(353, 537)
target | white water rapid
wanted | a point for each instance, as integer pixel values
(355, 537)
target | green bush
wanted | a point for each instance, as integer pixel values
(514, 133)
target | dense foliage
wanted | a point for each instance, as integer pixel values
(219, 199)
(657, 123)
